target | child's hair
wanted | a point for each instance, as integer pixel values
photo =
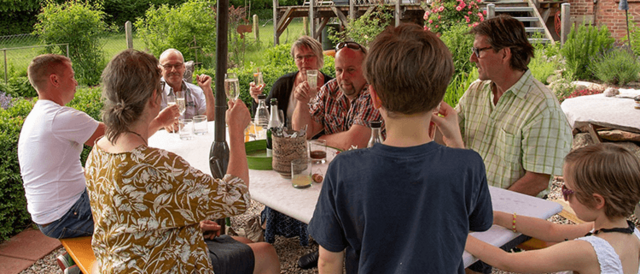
(609, 170)
(409, 68)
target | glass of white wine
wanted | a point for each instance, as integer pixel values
(180, 101)
(171, 100)
(231, 86)
(312, 80)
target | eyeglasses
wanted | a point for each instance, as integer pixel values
(477, 51)
(351, 45)
(566, 193)
(169, 66)
(305, 57)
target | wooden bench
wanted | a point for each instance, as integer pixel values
(81, 252)
(567, 212)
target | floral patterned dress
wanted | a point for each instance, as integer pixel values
(147, 205)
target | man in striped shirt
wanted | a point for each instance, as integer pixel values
(343, 107)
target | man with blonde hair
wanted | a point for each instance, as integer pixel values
(51, 140)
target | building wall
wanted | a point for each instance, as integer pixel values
(606, 12)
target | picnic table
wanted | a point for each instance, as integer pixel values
(269, 188)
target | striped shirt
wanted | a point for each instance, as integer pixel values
(336, 113)
(525, 131)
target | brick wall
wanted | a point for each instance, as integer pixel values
(606, 12)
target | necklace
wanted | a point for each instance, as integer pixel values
(626, 230)
(143, 140)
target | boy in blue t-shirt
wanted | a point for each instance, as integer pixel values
(406, 205)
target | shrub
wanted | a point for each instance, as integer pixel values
(120, 11)
(365, 28)
(459, 43)
(458, 86)
(81, 25)
(543, 64)
(581, 92)
(176, 27)
(441, 15)
(13, 205)
(581, 45)
(618, 67)
(5, 100)
(18, 86)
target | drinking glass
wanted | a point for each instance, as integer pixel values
(318, 151)
(258, 80)
(180, 101)
(200, 126)
(231, 86)
(312, 80)
(301, 173)
(185, 129)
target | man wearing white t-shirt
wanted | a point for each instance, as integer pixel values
(49, 150)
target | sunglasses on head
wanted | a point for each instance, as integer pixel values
(566, 193)
(351, 45)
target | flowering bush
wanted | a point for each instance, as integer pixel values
(582, 92)
(442, 14)
(5, 100)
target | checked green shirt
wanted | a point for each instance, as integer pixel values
(525, 131)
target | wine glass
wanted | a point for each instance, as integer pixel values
(171, 100)
(258, 80)
(180, 101)
(231, 86)
(312, 80)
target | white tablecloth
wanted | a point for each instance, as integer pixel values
(267, 187)
(615, 112)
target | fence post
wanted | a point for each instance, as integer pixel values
(305, 25)
(352, 10)
(6, 79)
(129, 35)
(491, 11)
(565, 19)
(398, 14)
(312, 18)
(275, 23)
(256, 28)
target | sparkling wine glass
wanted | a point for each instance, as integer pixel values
(231, 86)
(312, 80)
(180, 101)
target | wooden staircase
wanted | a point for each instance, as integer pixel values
(526, 12)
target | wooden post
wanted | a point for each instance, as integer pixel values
(256, 28)
(312, 18)
(305, 25)
(276, 38)
(491, 11)
(565, 18)
(398, 14)
(352, 10)
(128, 34)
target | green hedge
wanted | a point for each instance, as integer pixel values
(13, 205)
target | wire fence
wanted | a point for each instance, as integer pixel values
(17, 51)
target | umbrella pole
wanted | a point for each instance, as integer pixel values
(219, 154)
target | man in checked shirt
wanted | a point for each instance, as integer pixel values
(342, 107)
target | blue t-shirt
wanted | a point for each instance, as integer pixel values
(402, 210)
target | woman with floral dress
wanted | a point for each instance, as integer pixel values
(148, 203)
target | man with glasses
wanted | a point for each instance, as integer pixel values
(343, 107)
(199, 99)
(508, 116)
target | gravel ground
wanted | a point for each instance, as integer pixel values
(289, 249)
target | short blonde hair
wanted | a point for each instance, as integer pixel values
(43, 66)
(609, 170)
(312, 44)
